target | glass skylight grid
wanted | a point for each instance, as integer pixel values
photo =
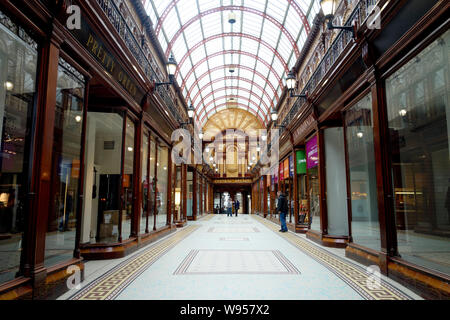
(261, 48)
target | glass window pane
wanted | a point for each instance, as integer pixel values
(419, 124)
(104, 133)
(152, 187)
(127, 182)
(145, 184)
(18, 64)
(62, 219)
(361, 166)
(163, 179)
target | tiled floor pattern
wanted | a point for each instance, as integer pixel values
(236, 262)
(355, 276)
(240, 264)
(112, 283)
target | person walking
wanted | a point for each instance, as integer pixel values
(282, 209)
(236, 207)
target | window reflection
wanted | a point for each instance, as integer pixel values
(62, 218)
(17, 90)
(363, 183)
(419, 122)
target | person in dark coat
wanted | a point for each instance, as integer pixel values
(236, 207)
(282, 209)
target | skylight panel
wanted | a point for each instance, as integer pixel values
(171, 28)
(257, 4)
(277, 9)
(207, 4)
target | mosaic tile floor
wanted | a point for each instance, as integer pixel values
(198, 263)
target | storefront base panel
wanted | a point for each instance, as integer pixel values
(19, 289)
(53, 285)
(422, 282)
(120, 250)
(180, 224)
(56, 281)
(362, 255)
(301, 228)
(327, 241)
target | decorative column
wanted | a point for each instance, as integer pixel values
(137, 178)
(33, 254)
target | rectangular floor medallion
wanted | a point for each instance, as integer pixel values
(236, 262)
(233, 230)
(234, 239)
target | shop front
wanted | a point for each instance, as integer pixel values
(85, 162)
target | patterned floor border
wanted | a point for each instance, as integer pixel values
(355, 276)
(112, 283)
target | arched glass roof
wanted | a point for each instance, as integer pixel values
(246, 60)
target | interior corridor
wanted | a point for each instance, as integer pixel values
(237, 258)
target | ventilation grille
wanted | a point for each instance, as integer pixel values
(108, 145)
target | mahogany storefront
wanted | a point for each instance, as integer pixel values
(374, 130)
(85, 163)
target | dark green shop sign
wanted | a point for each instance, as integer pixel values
(301, 162)
(103, 55)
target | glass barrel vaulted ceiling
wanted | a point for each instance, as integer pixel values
(218, 60)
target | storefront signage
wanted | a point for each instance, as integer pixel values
(103, 55)
(286, 168)
(291, 166)
(281, 171)
(301, 162)
(304, 128)
(312, 154)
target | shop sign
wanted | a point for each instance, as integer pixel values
(281, 171)
(301, 162)
(312, 154)
(291, 165)
(304, 128)
(286, 168)
(87, 37)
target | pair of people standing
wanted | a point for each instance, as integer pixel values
(230, 208)
(282, 209)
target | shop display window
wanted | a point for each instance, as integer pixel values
(162, 166)
(336, 182)
(103, 154)
(152, 187)
(67, 141)
(18, 63)
(418, 108)
(145, 184)
(127, 179)
(312, 163)
(190, 194)
(362, 174)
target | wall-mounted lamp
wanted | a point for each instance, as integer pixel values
(171, 69)
(200, 135)
(329, 9)
(190, 111)
(291, 83)
(274, 115)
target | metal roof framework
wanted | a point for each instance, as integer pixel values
(261, 46)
